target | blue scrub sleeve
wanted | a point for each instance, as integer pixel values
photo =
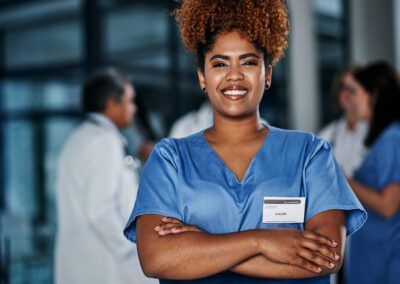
(326, 188)
(157, 189)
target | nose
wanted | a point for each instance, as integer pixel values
(235, 74)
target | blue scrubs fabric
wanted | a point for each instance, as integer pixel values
(374, 255)
(186, 179)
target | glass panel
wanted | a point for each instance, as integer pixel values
(20, 171)
(25, 95)
(139, 34)
(58, 42)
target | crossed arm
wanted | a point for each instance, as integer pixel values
(176, 251)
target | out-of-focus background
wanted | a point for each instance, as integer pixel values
(48, 47)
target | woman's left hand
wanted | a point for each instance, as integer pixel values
(174, 226)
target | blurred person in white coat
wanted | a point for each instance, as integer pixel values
(347, 134)
(96, 187)
(193, 122)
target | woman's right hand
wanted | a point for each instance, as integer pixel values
(304, 249)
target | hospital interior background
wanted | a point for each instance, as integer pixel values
(48, 47)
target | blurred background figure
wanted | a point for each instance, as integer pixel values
(193, 122)
(347, 134)
(96, 188)
(374, 254)
(48, 48)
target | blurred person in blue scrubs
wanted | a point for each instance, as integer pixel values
(96, 187)
(374, 255)
(241, 202)
(347, 134)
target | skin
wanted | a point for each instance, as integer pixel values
(346, 101)
(236, 136)
(360, 101)
(121, 112)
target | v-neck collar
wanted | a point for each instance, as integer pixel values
(225, 166)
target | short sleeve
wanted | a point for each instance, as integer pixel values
(326, 188)
(157, 189)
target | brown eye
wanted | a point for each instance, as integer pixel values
(253, 63)
(218, 65)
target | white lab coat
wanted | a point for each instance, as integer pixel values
(348, 145)
(193, 122)
(96, 192)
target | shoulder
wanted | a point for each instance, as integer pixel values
(300, 140)
(387, 144)
(328, 131)
(392, 131)
(389, 138)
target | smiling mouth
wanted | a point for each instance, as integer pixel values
(235, 93)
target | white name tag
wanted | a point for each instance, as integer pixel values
(284, 209)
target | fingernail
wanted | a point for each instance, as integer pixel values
(319, 269)
(331, 265)
(164, 218)
(173, 229)
(334, 243)
(157, 228)
(336, 256)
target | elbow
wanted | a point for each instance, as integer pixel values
(153, 265)
(388, 212)
(151, 269)
(337, 267)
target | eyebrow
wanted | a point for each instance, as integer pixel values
(225, 57)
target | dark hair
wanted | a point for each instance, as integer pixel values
(103, 84)
(381, 81)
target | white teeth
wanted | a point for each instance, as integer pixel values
(235, 92)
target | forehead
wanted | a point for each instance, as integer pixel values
(129, 91)
(232, 43)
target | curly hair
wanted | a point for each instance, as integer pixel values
(262, 22)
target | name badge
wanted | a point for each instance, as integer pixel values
(284, 209)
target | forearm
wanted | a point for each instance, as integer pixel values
(328, 223)
(382, 204)
(261, 267)
(193, 255)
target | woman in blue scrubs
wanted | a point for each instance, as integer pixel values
(374, 255)
(266, 205)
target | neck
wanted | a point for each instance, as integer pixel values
(236, 130)
(351, 122)
(110, 117)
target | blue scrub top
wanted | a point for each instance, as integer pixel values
(186, 179)
(374, 255)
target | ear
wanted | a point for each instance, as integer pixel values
(109, 105)
(268, 75)
(202, 78)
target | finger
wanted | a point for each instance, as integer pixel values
(305, 264)
(176, 230)
(324, 250)
(316, 259)
(321, 238)
(170, 220)
(165, 226)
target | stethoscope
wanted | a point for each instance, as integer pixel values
(130, 161)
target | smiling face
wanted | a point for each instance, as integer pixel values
(234, 76)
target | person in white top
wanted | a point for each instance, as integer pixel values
(347, 134)
(96, 187)
(193, 122)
